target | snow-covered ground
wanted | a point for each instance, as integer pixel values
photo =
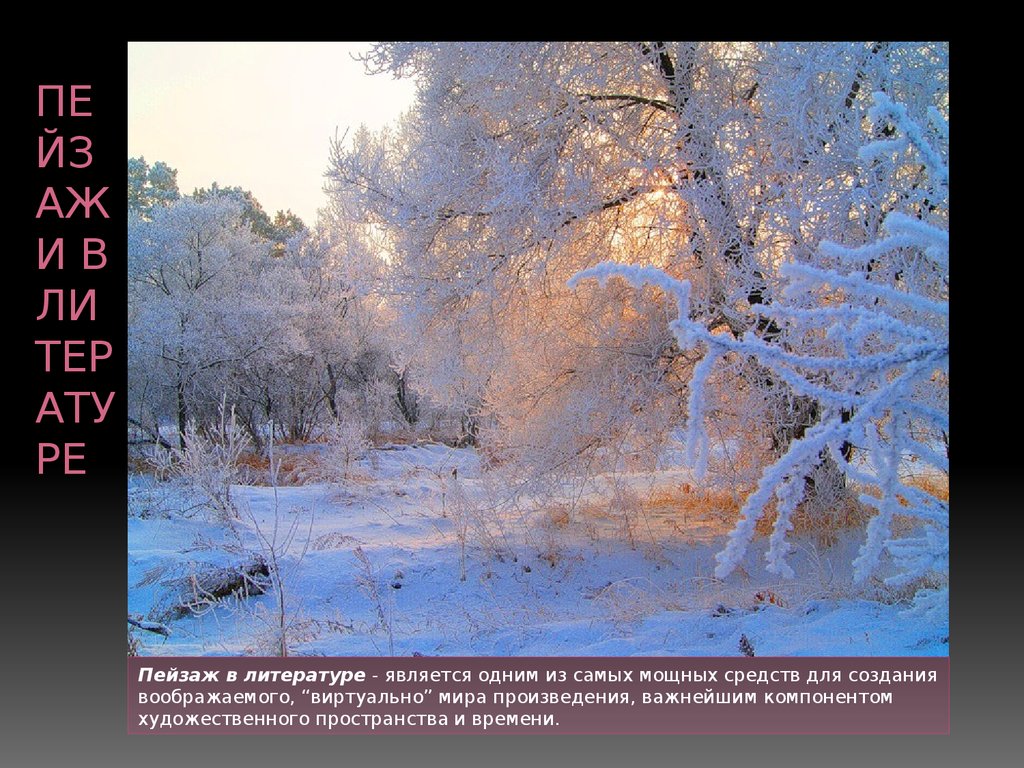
(373, 566)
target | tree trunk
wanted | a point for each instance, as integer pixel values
(406, 400)
(331, 393)
(182, 410)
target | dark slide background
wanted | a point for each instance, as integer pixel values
(63, 589)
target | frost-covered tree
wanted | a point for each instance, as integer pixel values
(189, 265)
(328, 355)
(862, 332)
(524, 163)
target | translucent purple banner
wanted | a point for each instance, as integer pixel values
(574, 695)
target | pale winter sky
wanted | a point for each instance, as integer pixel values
(256, 115)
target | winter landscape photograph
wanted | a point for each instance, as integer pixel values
(538, 349)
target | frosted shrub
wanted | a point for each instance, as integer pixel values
(346, 441)
(378, 411)
(209, 462)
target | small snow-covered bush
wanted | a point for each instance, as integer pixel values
(210, 461)
(347, 440)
